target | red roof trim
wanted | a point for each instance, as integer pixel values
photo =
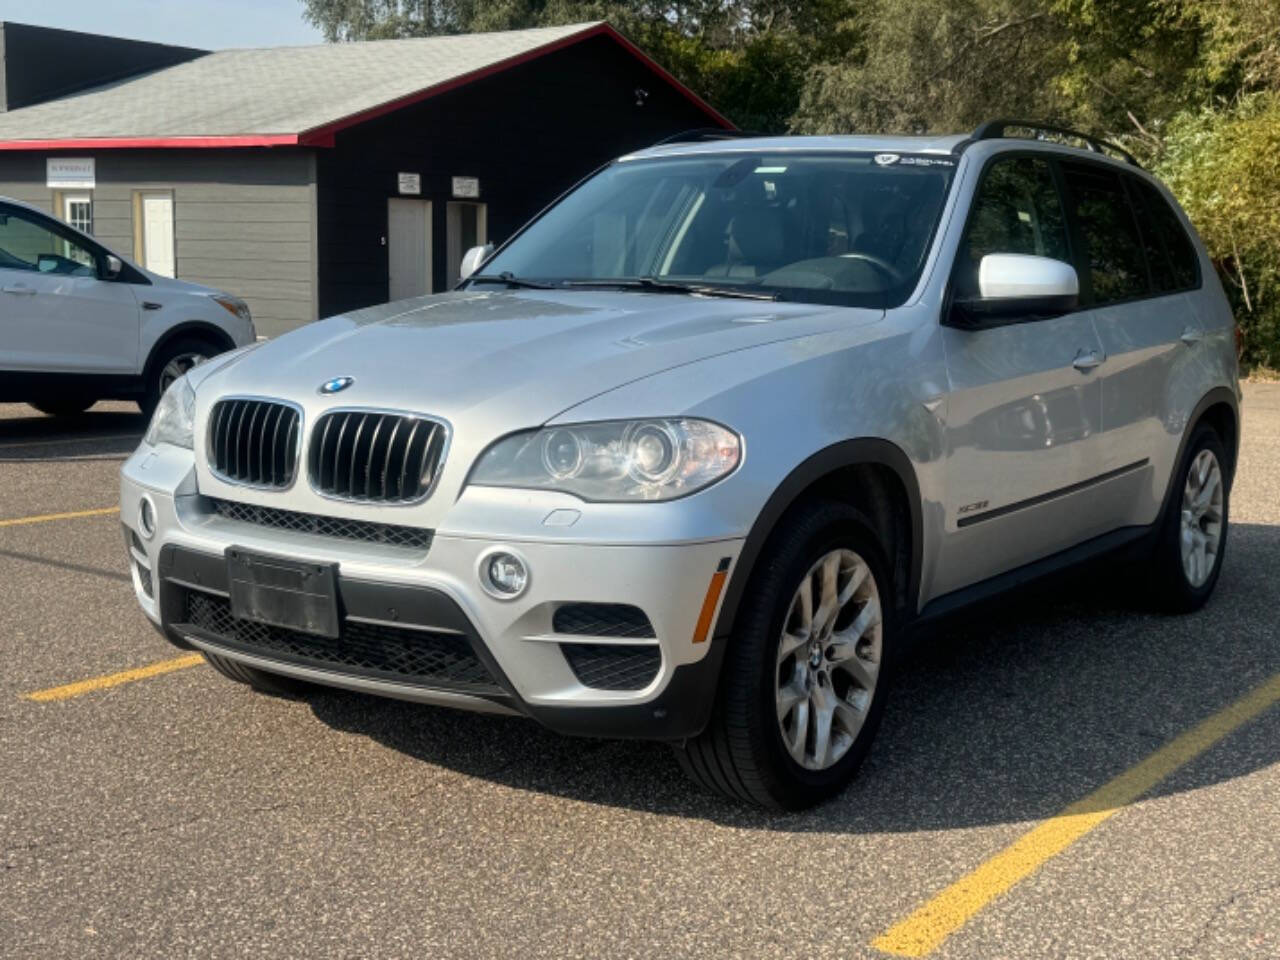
(134, 143)
(322, 136)
(309, 137)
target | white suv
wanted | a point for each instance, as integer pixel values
(692, 455)
(79, 323)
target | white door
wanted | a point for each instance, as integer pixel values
(157, 233)
(467, 226)
(55, 312)
(408, 248)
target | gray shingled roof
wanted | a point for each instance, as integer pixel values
(281, 90)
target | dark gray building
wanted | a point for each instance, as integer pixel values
(312, 180)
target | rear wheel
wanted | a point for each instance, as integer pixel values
(259, 680)
(1188, 554)
(173, 360)
(63, 406)
(806, 673)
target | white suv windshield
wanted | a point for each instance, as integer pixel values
(839, 228)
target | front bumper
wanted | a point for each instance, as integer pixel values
(417, 625)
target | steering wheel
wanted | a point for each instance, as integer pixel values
(879, 263)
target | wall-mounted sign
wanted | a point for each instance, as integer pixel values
(74, 172)
(409, 182)
(466, 187)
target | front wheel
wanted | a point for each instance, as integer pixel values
(1192, 542)
(260, 680)
(806, 672)
(173, 360)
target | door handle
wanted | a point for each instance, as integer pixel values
(19, 289)
(1191, 336)
(1087, 360)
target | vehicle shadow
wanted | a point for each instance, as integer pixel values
(1004, 716)
(108, 431)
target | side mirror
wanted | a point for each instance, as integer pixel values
(1016, 285)
(111, 267)
(472, 259)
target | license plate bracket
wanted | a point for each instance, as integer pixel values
(297, 595)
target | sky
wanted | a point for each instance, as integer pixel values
(208, 24)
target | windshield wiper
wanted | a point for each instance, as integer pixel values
(654, 285)
(511, 281)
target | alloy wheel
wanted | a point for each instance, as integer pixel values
(1201, 534)
(177, 366)
(829, 658)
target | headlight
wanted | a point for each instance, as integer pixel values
(234, 305)
(174, 416)
(616, 461)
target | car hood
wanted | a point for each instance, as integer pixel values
(511, 359)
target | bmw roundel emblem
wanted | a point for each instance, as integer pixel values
(336, 385)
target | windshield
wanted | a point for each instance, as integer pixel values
(841, 228)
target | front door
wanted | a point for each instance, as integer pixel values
(466, 226)
(157, 233)
(55, 312)
(1024, 404)
(408, 248)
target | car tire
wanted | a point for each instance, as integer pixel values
(171, 361)
(64, 406)
(748, 751)
(260, 680)
(1191, 543)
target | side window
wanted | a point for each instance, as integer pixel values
(1016, 210)
(1162, 280)
(28, 244)
(1112, 248)
(1181, 252)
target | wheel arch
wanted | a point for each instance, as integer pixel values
(1220, 407)
(190, 328)
(872, 473)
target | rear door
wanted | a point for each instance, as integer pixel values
(56, 314)
(1025, 403)
(1135, 264)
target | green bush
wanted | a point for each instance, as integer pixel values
(1224, 167)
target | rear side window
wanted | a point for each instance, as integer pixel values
(1162, 224)
(1016, 210)
(1112, 254)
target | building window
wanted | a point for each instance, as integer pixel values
(78, 211)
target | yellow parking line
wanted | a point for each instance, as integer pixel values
(925, 929)
(69, 690)
(46, 517)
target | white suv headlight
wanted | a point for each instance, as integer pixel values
(174, 417)
(615, 461)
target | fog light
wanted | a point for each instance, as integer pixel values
(147, 518)
(503, 575)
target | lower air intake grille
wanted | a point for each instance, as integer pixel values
(362, 530)
(613, 666)
(602, 620)
(390, 653)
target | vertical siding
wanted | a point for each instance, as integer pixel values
(244, 220)
(527, 133)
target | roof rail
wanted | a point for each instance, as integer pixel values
(996, 129)
(704, 134)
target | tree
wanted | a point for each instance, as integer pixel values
(748, 57)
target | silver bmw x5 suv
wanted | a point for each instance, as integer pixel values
(692, 455)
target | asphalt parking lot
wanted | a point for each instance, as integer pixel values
(1064, 776)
